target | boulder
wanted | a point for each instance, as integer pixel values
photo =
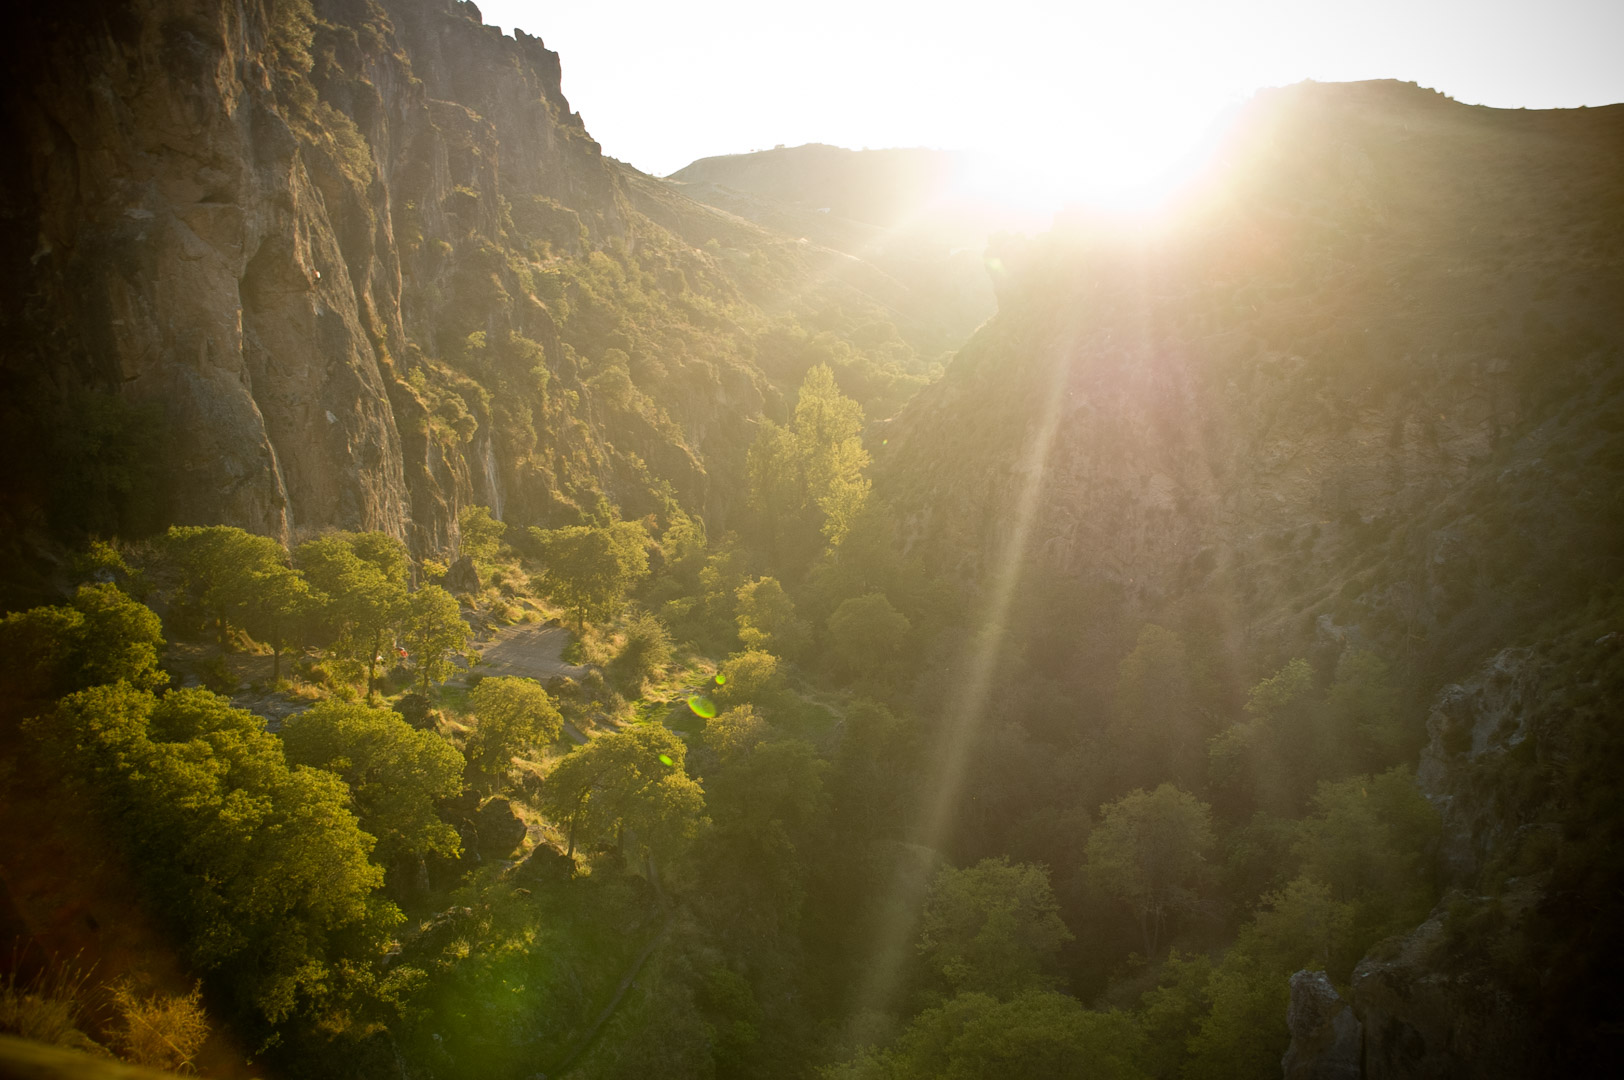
(545, 864)
(499, 829)
(463, 577)
(1326, 1037)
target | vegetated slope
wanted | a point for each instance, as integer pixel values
(1368, 389)
(357, 263)
(1374, 371)
(915, 213)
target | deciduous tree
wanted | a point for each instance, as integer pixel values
(395, 773)
(1149, 850)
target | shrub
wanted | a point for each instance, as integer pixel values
(161, 1031)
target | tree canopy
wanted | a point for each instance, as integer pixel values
(992, 928)
(591, 568)
(395, 773)
(514, 715)
(1150, 851)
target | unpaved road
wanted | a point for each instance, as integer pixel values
(533, 652)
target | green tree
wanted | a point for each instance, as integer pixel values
(591, 568)
(101, 636)
(481, 535)
(435, 634)
(767, 802)
(627, 781)
(363, 577)
(1369, 839)
(395, 773)
(1149, 850)
(260, 867)
(993, 928)
(236, 578)
(866, 633)
(514, 715)
(735, 732)
(1038, 1033)
(280, 601)
(1364, 715)
(647, 650)
(1156, 728)
(751, 677)
(1274, 757)
(806, 480)
(766, 617)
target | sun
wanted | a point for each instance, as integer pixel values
(1130, 162)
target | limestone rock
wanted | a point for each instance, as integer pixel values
(1325, 1034)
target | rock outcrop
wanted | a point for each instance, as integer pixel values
(1326, 1039)
(293, 265)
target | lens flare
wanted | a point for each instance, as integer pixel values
(665, 759)
(721, 680)
(702, 706)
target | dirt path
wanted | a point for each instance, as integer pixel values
(534, 652)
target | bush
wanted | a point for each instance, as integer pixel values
(647, 650)
(159, 1031)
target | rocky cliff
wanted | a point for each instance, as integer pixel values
(352, 263)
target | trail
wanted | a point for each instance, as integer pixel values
(533, 652)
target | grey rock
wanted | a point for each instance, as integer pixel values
(463, 577)
(1326, 1036)
(500, 830)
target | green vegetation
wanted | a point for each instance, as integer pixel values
(851, 765)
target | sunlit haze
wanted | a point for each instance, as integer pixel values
(1081, 99)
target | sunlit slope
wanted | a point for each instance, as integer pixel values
(381, 271)
(923, 216)
(1368, 370)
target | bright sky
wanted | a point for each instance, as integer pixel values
(1100, 96)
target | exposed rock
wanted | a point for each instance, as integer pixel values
(544, 864)
(1325, 1034)
(1422, 1020)
(500, 829)
(1471, 729)
(462, 578)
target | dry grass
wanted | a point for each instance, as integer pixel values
(52, 1007)
(160, 1031)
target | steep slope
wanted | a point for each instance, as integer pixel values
(1363, 390)
(356, 264)
(1373, 373)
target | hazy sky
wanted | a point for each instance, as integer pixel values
(1110, 91)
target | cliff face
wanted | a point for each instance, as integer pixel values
(301, 249)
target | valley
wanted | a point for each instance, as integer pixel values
(476, 609)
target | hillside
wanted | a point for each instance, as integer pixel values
(918, 214)
(473, 609)
(358, 264)
(1364, 390)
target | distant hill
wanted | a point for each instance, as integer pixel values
(911, 212)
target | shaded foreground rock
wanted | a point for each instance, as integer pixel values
(499, 828)
(1325, 1033)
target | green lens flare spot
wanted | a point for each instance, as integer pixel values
(665, 759)
(702, 706)
(721, 680)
